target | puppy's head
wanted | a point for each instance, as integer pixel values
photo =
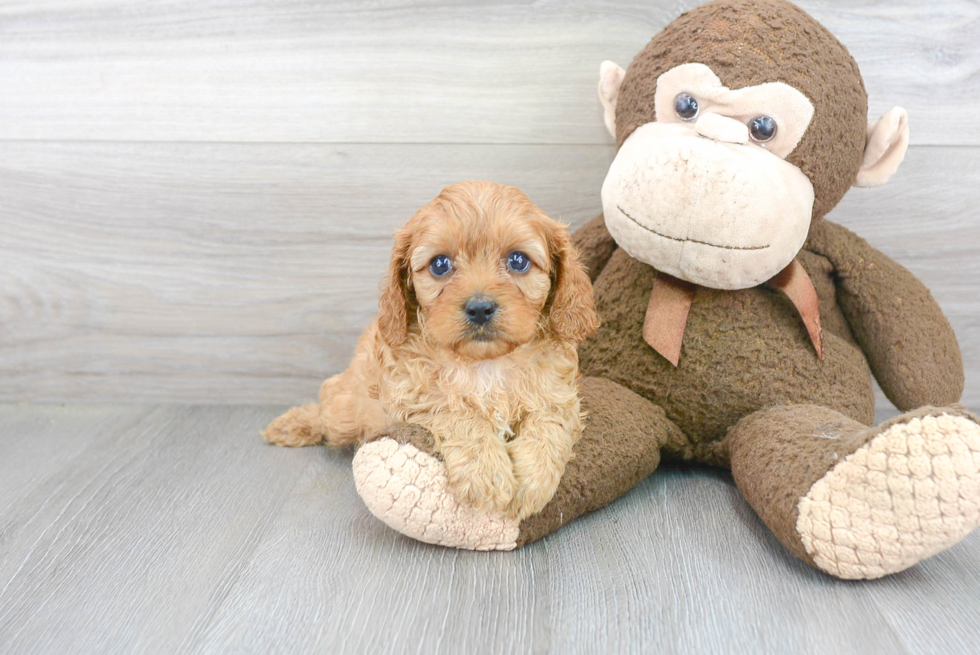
(481, 270)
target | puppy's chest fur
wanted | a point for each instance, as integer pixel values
(433, 388)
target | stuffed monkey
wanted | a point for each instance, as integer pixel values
(739, 327)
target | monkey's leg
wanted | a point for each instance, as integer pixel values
(403, 482)
(860, 502)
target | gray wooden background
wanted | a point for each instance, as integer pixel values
(197, 198)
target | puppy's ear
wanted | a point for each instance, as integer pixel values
(394, 298)
(573, 316)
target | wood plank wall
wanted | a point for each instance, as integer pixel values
(197, 199)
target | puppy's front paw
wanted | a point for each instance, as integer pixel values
(537, 481)
(483, 478)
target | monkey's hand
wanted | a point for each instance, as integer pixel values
(908, 342)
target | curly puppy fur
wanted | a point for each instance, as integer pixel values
(501, 399)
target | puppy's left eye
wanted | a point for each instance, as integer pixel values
(518, 262)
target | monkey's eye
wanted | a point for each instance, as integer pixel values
(762, 129)
(518, 262)
(440, 265)
(686, 106)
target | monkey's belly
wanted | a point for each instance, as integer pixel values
(742, 351)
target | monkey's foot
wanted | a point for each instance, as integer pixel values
(911, 491)
(407, 488)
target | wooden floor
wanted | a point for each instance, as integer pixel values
(130, 529)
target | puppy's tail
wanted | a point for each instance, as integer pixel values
(300, 426)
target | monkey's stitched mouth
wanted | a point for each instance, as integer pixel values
(703, 243)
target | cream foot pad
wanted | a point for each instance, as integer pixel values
(408, 489)
(910, 492)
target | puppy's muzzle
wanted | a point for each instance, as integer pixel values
(479, 310)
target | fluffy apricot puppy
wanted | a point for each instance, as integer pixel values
(479, 319)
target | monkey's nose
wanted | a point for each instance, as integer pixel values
(479, 310)
(722, 128)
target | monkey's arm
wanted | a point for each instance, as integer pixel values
(909, 343)
(595, 245)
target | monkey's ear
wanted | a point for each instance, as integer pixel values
(610, 78)
(888, 139)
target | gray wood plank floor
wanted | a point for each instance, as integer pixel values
(146, 529)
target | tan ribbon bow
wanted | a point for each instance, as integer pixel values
(670, 303)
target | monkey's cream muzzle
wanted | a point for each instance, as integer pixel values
(697, 201)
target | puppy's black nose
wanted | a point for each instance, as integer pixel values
(479, 310)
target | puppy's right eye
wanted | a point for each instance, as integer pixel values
(440, 265)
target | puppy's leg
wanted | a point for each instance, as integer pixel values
(349, 407)
(477, 464)
(300, 426)
(540, 453)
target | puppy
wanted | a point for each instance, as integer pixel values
(480, 315)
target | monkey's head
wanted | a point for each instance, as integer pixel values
(738, 125)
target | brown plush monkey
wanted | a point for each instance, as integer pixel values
(740, 328)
